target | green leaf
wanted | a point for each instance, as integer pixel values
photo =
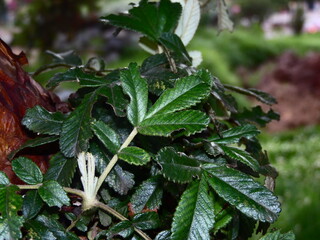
(177, 166)
(76, 130)
(107, 136)
(69, 57)
(187, 92)
(53, 194)
(256, 115)
(233, 135)
(148, 195)
(61, 169)
(77, 74)
(136, 87)
(145, 221)
(223, 214)
(123, 229)
(32, 204)
(148, 18)
(4, 180)
(37, 231)
(34, 143)
(27, 170)
(164, 235)
(278, 236)
(174, 43)
(194, 216)
(118, 179)
(241, 191)
(134, 155)
(241, 156)
(252, 92)
(40, 120)
(82, 221)
(10, 204)
(191, 121)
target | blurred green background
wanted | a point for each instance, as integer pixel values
(272, 43)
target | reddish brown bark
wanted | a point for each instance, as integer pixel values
(18, 92)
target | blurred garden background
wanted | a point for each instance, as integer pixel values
(275, 47)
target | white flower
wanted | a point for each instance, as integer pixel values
(86, 163)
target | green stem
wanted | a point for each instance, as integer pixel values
(115, 159)
(120, 217)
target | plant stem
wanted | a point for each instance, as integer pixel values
(172, 64)
(115, 159)
(120, 217)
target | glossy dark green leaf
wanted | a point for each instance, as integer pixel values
(187, 92)
(134, 155)
(256, 115)
(241, 156)
(116, 98)
(177, 166)
(213, 149)
(194, 216)
(34, 143)
(172, 42)
(164, 235)
(10, 204)
(61, 169)
(123, 229)
(148, 195)
(77, 74)
(145, 221)
(27, 170)
(107, 136)
(76, 130)
(223, 214)
(4, 180)
(82, 221)
(40, 120)
(32, 204)
(37, 231)
(136, 87)
(191, 121)
(233, 135)
(277, 235)
(53, 194)
(118, 179)
(241, 191)
(258, 94)
(148, 18)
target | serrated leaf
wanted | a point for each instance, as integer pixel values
(10, 204)
(118, 179)
(40, 120)
(191, 121)
(76, 130)
(189, 21)
(194, 216)
(107, 136)
(134, 155)
(34, 143)
(77, 74)
(233, 135)
(177, 166)
(277, 235)
(172, 42)
(37, 231)
(32, 204)
(4, 180)
(241, 156)
(145, 221)
(223, 214)
(61, 169)
(148, 195)
(164, 235)
(258, 94)
(256, 115)
(123, 229)
(213, 149)
(136, 87)
(241, 191)
(224, 22)
(27, 170)
(148, 18)
(53, 194)
(188, 91)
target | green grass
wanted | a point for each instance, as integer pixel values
(296, 155)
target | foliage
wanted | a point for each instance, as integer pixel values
(178, 158)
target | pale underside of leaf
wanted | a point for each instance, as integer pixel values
(224, 22)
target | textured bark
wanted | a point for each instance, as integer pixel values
(18, 92)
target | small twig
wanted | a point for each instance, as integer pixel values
(50, 66)
(73, 223)
(120, 217)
